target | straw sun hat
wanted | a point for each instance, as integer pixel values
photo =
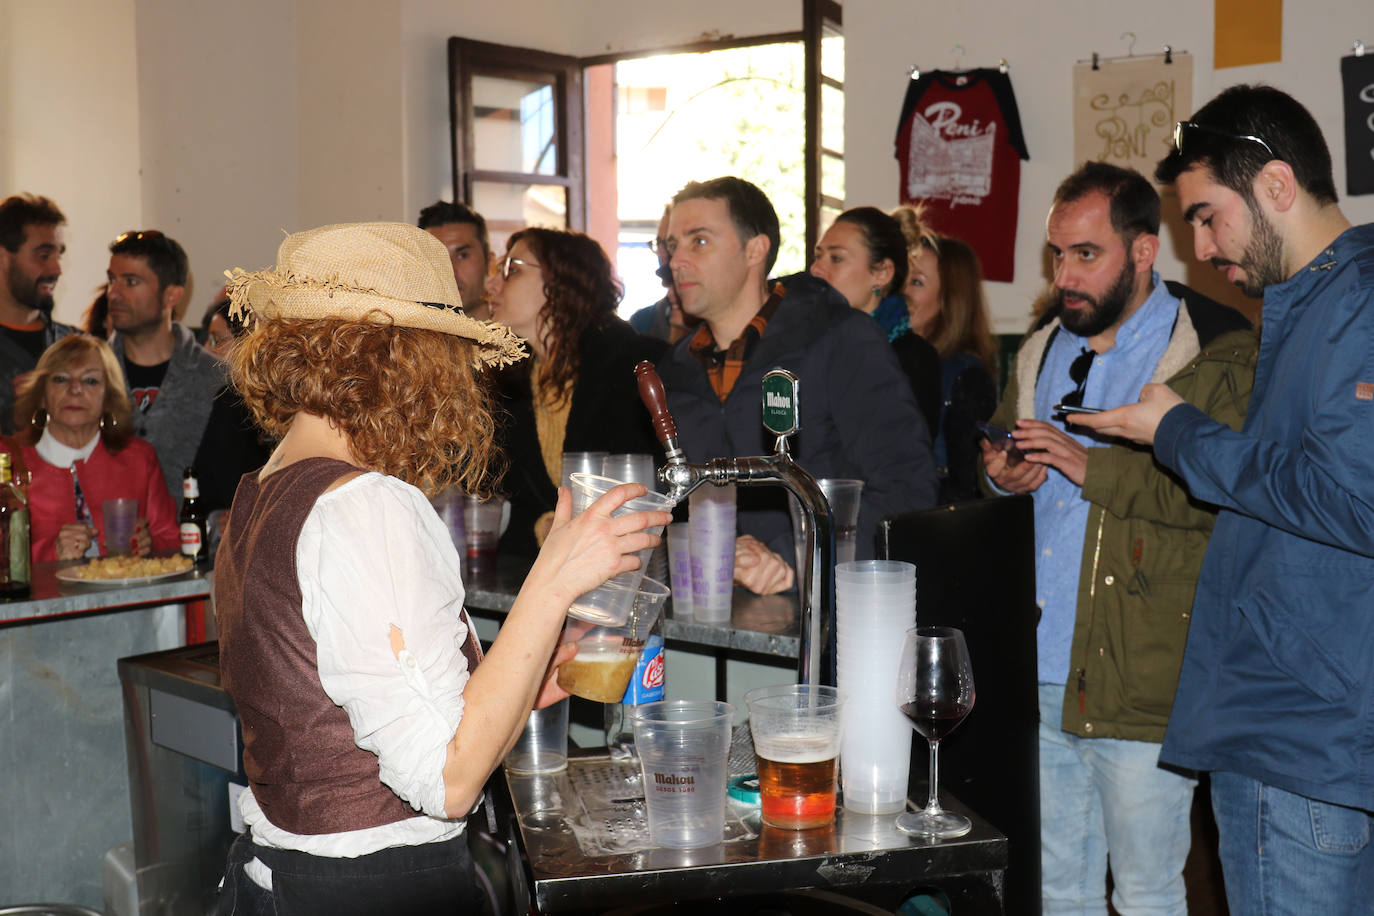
(390, 273)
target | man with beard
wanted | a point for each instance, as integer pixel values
(31, 250)
(1275, 696)
(1118, 543)
(464, 233)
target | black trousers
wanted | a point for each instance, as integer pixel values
(432, 878)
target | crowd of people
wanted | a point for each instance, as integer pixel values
(1201, 553)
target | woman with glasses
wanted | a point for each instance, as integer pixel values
(944, 299)
(557, 290)
(863, 255)
(80, 450)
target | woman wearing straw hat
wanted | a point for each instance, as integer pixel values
(369, 728)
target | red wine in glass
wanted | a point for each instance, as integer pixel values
(934, 719)
(934, 691)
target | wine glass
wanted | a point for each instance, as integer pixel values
(934, 691)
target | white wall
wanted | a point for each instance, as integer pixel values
(227, 124)
(69, 126)
(1041, 42)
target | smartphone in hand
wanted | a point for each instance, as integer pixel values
(1001, 440)
(1076, 408)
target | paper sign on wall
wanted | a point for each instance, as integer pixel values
(1247, 32)
(1124, 111)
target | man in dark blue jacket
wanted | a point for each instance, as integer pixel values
(1276, 696)
(858, 416)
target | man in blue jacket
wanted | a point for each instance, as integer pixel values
(858, 415)
(1276, 696)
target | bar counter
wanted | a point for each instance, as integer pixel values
(765, 625)
(66, 791)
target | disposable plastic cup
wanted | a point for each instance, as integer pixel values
(580, 463)
(448, 505)
(683, 746)
(606, 655)
(875, 755)
(543, 744)
(843, 495)
(482, 521)
(876, 571)
(610, 602)
(120, 516)
(796, 731)
(711, 531)
(630, 467)
(680, 568)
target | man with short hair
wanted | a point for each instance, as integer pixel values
(31, 249)
(1275, 697)
(464, 233)
(664, 319)
(172, 379)
(1118, 543)
(858, 415)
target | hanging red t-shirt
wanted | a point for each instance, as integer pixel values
(959, 146)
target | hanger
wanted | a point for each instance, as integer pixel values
(914, 72)
(1097, 59)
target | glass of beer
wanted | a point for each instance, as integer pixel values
(606, 655)
(796, 729)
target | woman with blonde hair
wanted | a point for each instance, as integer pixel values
(79, 448)
(369, 725)
(946, 306)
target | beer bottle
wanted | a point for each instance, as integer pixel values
(14, 534)
(194, 543)
(646, 686)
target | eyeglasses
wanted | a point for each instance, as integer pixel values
(658, 245)
(503, 266)
(1078, 374)
(1182, 127)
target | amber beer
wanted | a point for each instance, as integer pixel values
(600, 671)
(797, 781)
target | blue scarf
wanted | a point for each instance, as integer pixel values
(892, 314)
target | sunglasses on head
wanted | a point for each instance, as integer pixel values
(1182, 128)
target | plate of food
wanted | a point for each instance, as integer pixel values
(113, 571)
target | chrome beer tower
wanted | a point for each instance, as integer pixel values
(781, 417)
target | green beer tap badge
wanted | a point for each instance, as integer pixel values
(780, 412)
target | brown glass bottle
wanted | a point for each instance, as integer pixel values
(194, 543)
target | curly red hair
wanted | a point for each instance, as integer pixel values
(409, 401)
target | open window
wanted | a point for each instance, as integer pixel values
(600, 144)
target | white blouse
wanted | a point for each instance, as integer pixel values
(371, 554)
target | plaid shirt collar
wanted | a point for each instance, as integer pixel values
(723, 367)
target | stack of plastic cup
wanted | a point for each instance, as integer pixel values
(680, 568)
(639, 469)
(875, 604)
(610, 604)
(711, 529)
(580, 463)
(448, 505)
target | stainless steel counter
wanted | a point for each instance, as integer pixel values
(760, 624)
(65, 800)
(584, 833)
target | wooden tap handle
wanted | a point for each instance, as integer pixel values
(652, 394)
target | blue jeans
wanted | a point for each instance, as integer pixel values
(1284, 853)
(1101, 798)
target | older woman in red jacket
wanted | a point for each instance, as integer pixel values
(80, 450)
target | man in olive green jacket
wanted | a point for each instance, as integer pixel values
(1119, 542)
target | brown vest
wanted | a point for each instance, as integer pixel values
(308, 774)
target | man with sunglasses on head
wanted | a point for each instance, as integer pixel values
(1118, 542)
(1276, 697)
(172, 379)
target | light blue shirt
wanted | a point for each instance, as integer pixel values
(1061, 512)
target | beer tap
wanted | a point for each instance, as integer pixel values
(781, 417)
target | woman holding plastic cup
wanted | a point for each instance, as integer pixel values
(558, 291)
(369, 726)
(79, 448)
